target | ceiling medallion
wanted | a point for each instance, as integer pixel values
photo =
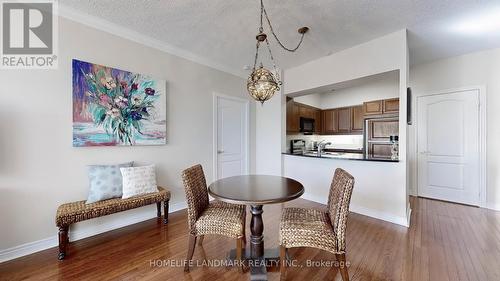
(262, 83)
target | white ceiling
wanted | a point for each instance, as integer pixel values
(223, 31)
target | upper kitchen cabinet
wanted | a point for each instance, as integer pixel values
(292, 117)
(295, 110)
(391, 106)
(357, 121)
(381, 107)
(329, 121)
(344, 120)
(318, 122)
(306, 111)
(373, 107)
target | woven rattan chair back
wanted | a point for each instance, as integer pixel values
(338, 204)
(195, 186)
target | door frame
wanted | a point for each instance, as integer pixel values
(482, 137)
(215, 97)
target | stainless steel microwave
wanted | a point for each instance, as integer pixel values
(306, 125)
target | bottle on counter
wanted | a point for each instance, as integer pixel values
(395, 147)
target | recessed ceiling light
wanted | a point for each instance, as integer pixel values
(247, 67)
(479, 23)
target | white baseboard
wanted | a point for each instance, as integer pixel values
(408, 216)
(28, 248)
(492, 206)
(40, 245)
(364, 211)
(314, 198)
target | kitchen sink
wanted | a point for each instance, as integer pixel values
(323, 154)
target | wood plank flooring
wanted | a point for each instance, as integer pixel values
(445, 242)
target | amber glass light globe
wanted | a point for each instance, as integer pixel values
(262, 84)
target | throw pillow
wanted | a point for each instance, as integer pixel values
(105, 182)
(138, 180)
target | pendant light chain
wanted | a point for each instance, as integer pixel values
(256, 56)
(274, 64)
(262, 83)
(263, 10)
(261, 30)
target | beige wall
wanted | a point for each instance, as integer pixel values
(476, 69)
(39, 168)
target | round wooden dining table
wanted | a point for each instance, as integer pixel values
(256, 191)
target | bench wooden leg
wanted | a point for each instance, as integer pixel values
(165, 211)
(158, 209)
(63, 241)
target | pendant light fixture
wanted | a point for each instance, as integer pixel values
(262, 83)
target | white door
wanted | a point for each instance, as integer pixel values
(448, 146)
(231, 137)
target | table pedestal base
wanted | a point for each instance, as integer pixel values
(258, 267)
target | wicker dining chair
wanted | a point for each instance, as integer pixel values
(214, 217)
(301, 227)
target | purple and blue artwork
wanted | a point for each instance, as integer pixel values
(113, 107)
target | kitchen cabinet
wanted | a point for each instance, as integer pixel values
(344, 120)
(391, 106)
(382, 129)
(295, 110)
(378, 134)
(303, 111)
(330, 121)
(292, 117)
(357, 122)
(372, 107)
(379, 151)
(318, 122)
(388, 107)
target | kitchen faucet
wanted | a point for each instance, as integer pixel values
(321, 146)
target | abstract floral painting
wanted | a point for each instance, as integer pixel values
(113, 107)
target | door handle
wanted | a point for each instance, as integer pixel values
(425, 152)
(220, 151)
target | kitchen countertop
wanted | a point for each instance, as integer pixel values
(341, 156)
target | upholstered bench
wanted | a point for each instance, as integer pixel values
(70, 213)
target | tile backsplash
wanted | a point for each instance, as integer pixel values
(338, 141)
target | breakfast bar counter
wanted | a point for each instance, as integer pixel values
(342, 156)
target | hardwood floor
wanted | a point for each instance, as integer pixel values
(445, 242)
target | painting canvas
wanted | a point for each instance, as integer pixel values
(113, 107)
